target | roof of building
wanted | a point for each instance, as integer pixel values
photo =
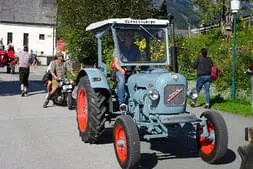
(28, 11)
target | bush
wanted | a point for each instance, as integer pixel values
(220, 50)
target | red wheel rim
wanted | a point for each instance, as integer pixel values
(120, 143)
(82, 110)
(207, 145)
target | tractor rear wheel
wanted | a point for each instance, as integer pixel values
(91, 109)
(212, 137)
(126, 142)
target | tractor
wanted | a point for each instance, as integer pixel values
(156, 97)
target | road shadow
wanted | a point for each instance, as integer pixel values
(107, 136)
(9, 88)
(182, 145)
(228, 158)
(12, 73)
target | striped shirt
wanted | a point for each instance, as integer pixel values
(24, 59)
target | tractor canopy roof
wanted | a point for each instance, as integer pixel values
(101, 25)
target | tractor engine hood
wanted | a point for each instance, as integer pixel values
(171, 88)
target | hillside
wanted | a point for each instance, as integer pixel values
(182, 10)
(186, 14)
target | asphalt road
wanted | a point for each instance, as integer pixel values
(36, 138)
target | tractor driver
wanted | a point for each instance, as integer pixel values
(128, 52)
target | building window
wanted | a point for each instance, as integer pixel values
(41, 37)
(25, 39)
(9, 37)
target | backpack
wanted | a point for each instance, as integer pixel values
(214, 73)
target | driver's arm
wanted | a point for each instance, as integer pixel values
(118, 67)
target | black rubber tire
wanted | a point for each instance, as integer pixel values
(131, 139)
(219, 149)
(96, 109)
(69, 101)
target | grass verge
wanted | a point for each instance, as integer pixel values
(236, 107)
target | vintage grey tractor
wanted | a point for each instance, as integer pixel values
(156, 98)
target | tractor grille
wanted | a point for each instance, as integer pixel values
(174, 95)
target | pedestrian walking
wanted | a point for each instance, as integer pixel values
(203, 65)
(24, 62)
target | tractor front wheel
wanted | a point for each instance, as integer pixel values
(69, 101)
(212, 137)
(126, 142)
(91, 109)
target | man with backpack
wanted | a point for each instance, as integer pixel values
(203, 65)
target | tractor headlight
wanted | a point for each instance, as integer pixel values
(153, 94)
(60, 83)
(66, 81)
(192, 93)
(174, 77)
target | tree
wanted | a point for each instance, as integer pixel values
(216, 12)
(213, 11)
(75, 15)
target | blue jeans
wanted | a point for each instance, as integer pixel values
(204, 80)
(121, 87)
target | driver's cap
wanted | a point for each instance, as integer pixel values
(59, 54)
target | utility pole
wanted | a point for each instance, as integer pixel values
(235, 5)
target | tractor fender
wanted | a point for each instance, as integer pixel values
(96, 77)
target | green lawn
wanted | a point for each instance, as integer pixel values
(237, 107)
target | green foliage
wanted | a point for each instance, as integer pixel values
(189, 50)
(220, 50)
(208, 10)
(236, 107)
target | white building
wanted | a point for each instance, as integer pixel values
(30, 23)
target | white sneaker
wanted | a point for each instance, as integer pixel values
(193, 104)
(207, 106)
